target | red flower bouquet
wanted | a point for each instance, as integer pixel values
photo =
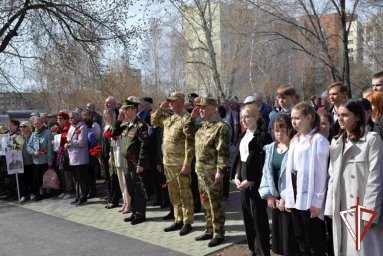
(43, 151)
(77, 132)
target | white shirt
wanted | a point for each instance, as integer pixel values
(244, 145)
(309, 156)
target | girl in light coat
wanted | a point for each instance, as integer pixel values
(356, 166)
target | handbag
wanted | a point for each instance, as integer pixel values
(51, 179)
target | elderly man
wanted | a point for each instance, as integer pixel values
(212, 155)
(178, 151)
(96, 116)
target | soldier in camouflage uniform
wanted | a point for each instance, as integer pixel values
(178, 151)
(134, 147)
(212, 141)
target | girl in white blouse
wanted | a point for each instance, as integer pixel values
(306, 178)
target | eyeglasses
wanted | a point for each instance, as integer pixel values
(377, 85)
(22, 126)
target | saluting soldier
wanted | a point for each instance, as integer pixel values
(212, 155)
(178, 151)
(134, 147)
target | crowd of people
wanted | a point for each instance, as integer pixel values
(307, 161)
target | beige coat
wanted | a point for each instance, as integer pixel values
(356, 173)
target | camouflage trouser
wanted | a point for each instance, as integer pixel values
(180, 194)
(212, 201)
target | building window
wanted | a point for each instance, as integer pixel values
(350, 50)
(350, 41)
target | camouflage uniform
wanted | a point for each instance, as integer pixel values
(178, 150)
(134, 147)
(212, 155)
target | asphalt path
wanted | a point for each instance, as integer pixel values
(26, 232)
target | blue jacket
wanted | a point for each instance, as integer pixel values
(267, 187)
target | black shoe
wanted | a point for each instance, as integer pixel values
(170, 216)
(81, 203)
(164, 205)
(204, 237)
(111, 206)
(74, 202)
(175, 226)
(156, 203)
(186, 229)
(130, 218)
(215, 241)
(197, 209)
(138, 219)
(92, 195)
(38, 198)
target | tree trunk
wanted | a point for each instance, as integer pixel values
(346, 59)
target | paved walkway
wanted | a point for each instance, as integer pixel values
(95, 215)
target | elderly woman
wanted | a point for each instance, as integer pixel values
(62, 156)
(77, 146)
(40, 147)
(27, 176)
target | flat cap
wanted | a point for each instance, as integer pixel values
(51, 115)
(176, 96)
(249, 99)
(35, 114)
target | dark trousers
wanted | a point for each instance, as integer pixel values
(156, 179)
(194, 187)
(81, 179)
(69, 182)
(226, 184)
(111, 181)
(92, 175)
(283, 239)
(136, 189)
(329, 237)
(114, 191)
(26, 180)
(256, 221)
(38, 173)
(309, 233)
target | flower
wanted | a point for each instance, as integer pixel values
(108, 134)
(96, 151)
(55, 129)
(203, 198)
(77, 132)
(43, 151)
